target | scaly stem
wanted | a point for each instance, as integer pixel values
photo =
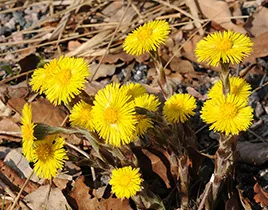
(225, 78)
(183, 170)
(162, 80)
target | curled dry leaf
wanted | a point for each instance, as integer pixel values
(261, 196)
(259, 23)
(253, 153)
(219, 12)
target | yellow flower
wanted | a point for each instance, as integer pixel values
(125, 182)
(238, 87)
(149, 102)
(81, 115)
(134, 89)
(229, 115)
(179, 107)
(114, 115)
(27, 130)
(61, 79)
(147, 38)
(49, 156)
(226, 47)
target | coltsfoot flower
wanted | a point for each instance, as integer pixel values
(61, 79)
(125, 182)
(49, 156)
(238, 86)
(179, 107)
(27, 130)
(149, 102)
(226, 47)
(134, 89)
(147, 38)
(114, 115)
(81, 115)
(228, 115)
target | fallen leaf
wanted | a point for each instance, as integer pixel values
(219, 12)
(260, 48)
(103, 71)
(158, 166)
(72, 45)
(181, 66)
(259, 23)
(261, 196)
(4, 110)
(253, 153)
(113, 58)
(37, 199)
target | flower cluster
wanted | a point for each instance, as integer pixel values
(47, 154)
(228, 113)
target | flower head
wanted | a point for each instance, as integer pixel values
(27, 130)
(81, 115)
(179, 107)
(114, 115)
(49, 156)
(226, 47)
(61, 79)
(229, 114)
(149, 102)
(147, 38)
(238, 86)
(125, 182)
(134, 89)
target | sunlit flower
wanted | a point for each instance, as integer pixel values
(134, 89)
(49, 156)
(226, 47)
(238, 87)
(149, 102)
(27, 130)
(179, 107)
(147, 38)
(61, 79)
(125, 182)
(229, 114)
(81, 115)
(114, 115)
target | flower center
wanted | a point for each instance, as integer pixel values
(65, 76)
(224, 45)
(111, 115)
(125, 180)
(44, 153)
(145, 34)
(228, 110)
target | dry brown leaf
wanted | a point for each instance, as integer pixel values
(259, 24)
(219, 12)
(112, 8)
(253, 153)
(88, 45)
(92, 87)
(37, 199)
(6, 124)
(261, 196)
(113, 204)
(72, 45)
(158, 166)
(113, 58)
(181, 66)
(80, 193)
(18, 91)
(4, 110)
(244, 201)
(104, 70)
(260, 48)
(15, 179)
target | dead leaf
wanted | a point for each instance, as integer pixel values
(103, 71)
(181, 66)
(80, 193)
(95, 40)
(7, 124)
(261, 196)
(259, 23)
(113, 58)
(244, 201)
(158, 166)
(72, 45)
(4, 110)
(253, 153)
(114, 204)
(37, 199)
(219, 12)
(193, 92)
(260, 48)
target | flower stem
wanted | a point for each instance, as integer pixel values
(225, 78)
